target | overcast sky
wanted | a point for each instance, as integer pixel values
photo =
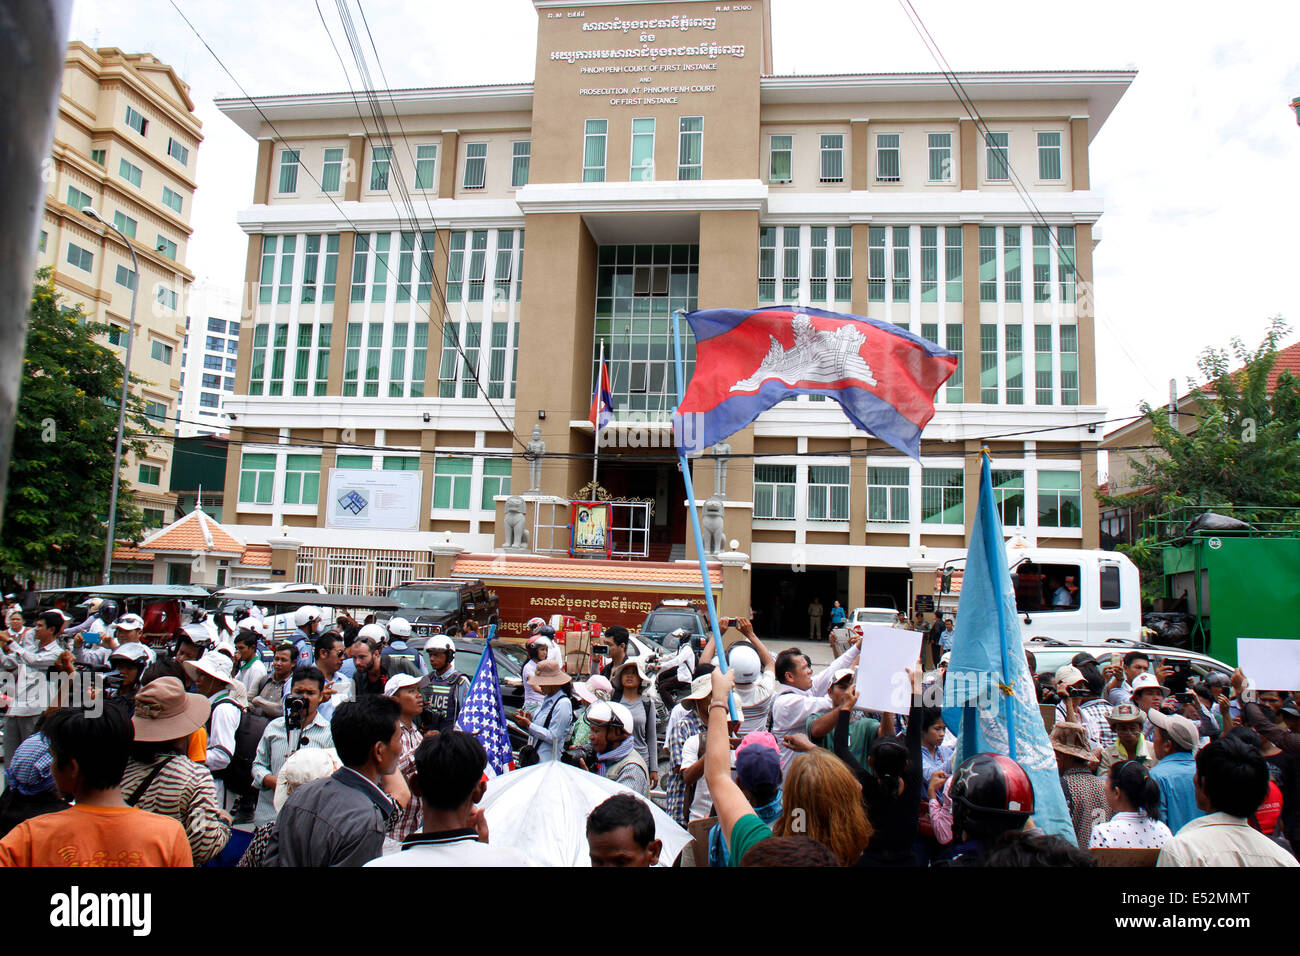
(1197, 165)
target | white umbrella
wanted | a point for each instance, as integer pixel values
(542, 812)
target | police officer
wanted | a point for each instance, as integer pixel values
(445, 692)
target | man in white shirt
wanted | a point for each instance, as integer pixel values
(213, 677)
(799, 695)
(329, 658)
(30, 660)
(1231, 782)
(250, 671)
(449, 780)
(754, 670)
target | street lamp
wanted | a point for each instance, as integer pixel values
(126, 382)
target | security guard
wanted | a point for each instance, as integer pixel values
(447, 687)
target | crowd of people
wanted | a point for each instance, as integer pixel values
(347, 750)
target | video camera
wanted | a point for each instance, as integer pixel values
(295, 712)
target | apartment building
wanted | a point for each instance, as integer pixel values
(208, 365)
(655, 163)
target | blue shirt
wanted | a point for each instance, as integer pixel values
(932, 763)
(1174, 776)
(549, 735)
(837, 615)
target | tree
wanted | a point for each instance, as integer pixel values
(61, 472)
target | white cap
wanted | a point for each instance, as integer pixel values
(399, 627)
(841, 673)
(135, 652)
(129, 622)
(1145, 681)
(744, 661)
(304, 614)
(214, 664)
(398, 681)
(607, 711)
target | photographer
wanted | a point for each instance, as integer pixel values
(1080, 685)
(301, 726)
(29, 660)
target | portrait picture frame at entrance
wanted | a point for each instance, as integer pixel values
(589, 529)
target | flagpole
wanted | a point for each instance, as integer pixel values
(595, 434)
(719, 651)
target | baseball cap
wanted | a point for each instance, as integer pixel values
(1145, 681)
(1069, 675)
(129, 622)
(758, 768)
(590, 690)
(1177, 727)
(398, 681)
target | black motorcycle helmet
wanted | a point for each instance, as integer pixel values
(991, 795)
(108, 612)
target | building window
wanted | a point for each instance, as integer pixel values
(42, 241)
(302, 479)
(940, 157)
(155, 411)
(256, 478)
(323, 333)
(166, 247)
(125, 224)
(942, 494)
(887, 495)
(690, 148)
(212, 362)
(832, 158)
(150, 474)
(167, 298)
(153, 517)
(451, 483)
(1042, 264)
(381, 158)
(99, 156)
(79, 257)
(929, 263)
(952, 263)
(160, 351)
(888, 161)
(1015, 365)
(841, 254)
(288, 171)
(953, 343)
(310, 267)
(230, 364)
(331, 173)
(1065, 262)
(77, 199)
(1009, 497)
(212, 381)
(210, 400)
(354, 462)
(125, 277)
(1069, 365)
(988, 363)
(178, 152)
(767, 264)
(360, 258)
(643, 150)
(988, 263)
(995, 156)
(520, 156)
(172, 200)
(828, 492)
(401, 463)
(781, 163)
(1049, 155)
(1011, 264)
(1060, 502)
(774, 487)
(902, 266)
(593, 150)
(1043, 364)
(876, 264)
(132, 174)
(496, 481)
(475, 165)
(136, 121)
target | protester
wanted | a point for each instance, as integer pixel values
(1148, 695)
(212, 678)
(612, 738)
(754, 669)
(250, 671)
(1231, 779)
(630, 683)
(789, 851)
(936, 756)
(549, 727)
(1085, 796)
(447, 687)
(741, 828)
(800, 694)
(302, 766)
(450, 781)
(301, 726)
(991, 795)
(1119, 680)
(758, 774)
(341, 820)
(1175, 743)
(1126, 720)
(821, 799)
(268, 700)
(1134, 801)
(29, 784)
(129, 660)
(329, 661)
(535, 654)
(1080, 685)
(370, 676)
(100, 829)
(408, 691)
(29, 660)
(621, 832)
(161, 779)
(684, 725)
(594, 688)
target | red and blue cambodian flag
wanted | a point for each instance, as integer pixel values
(602, 401)
(884, 377)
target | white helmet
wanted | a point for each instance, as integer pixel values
(373, 632)
(744, 661)
(304, 614)
(399, 627)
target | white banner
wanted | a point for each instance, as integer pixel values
(1272, 663)
(887, 653)
(374, 500)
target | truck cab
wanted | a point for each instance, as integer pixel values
(1075, 596)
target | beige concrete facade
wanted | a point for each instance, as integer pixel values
(655, 162)
(126, 142)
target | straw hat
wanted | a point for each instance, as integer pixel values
(548, 674)
(1072, 739)
(163, 711)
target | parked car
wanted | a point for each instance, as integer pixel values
(1050, 655)
(863, 616)
(668, 616)
(434, 604)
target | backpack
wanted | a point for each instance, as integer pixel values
(238, 774)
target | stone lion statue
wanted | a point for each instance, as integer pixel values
(516, 532)
(712, 526)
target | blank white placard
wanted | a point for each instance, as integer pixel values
(887, 653)
(1271, 663)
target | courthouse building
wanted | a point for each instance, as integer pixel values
(398, 341)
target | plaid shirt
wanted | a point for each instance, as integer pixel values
(409, 819)
(681, 731)
(1092, 715)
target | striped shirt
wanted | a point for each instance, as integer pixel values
(184, 791)
(408, 819)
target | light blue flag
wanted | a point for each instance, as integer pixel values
(988, 657)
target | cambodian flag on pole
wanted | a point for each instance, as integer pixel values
(989, 697)
(746, 361)
(602, 401)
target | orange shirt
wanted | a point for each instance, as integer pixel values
(197, 748)
(97, 836)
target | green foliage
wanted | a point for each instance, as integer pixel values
(61, 470)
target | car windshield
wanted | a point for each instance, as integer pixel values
(664, 622)
(511, 654)
(426, 599)
(875, 617)
(1046, 587)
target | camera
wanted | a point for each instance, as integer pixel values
(600, 650)
(112, 685)
(427, 720)
(295, 712)
(585, 753)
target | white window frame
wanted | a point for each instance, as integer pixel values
(792, 485)
(897, 149)
(771, 157)
(645, 173)
(930, 527)
(1060, 154)
(822, 151)
(891, 523)
(326, 162)
(931, 149)
(682, 135)
(288, 158)
(432, 166)
(989, 148)
(829, 522)
(603, 136)
(482, 160)
(515, 157)
(173, 145)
